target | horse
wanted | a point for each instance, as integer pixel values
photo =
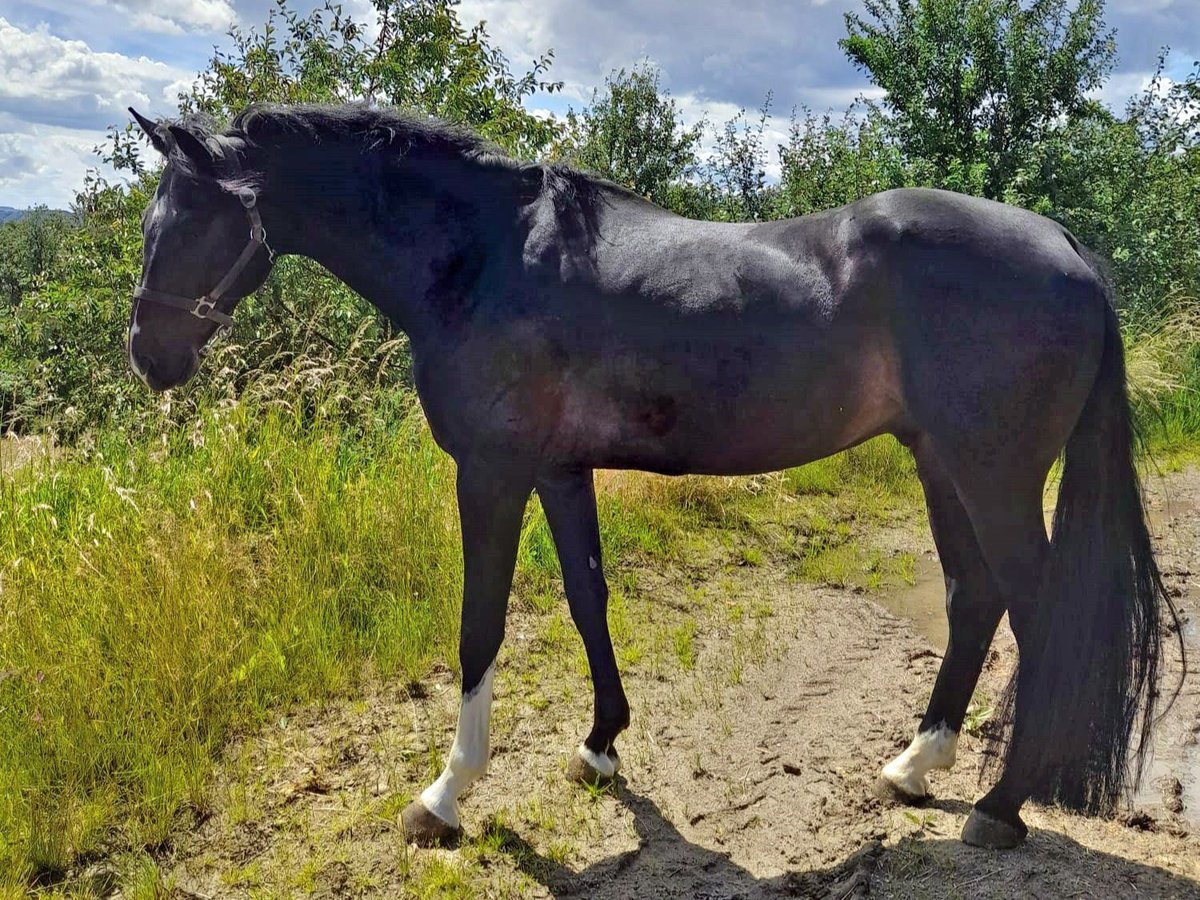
(560, 323)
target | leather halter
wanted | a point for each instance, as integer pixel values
(205, 307)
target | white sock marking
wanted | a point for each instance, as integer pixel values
(598, 761)
(468, 757)
(934, 749)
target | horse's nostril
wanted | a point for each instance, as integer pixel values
(160, 374)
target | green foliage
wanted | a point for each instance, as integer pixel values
(824, 165)
(735, 176)
(422, 58)
(189, 563)
(62, 349)
(632, 133)
(1130, 189)
(974, 84)
(29, 252)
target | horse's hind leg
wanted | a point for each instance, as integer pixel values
(1004, 503)
(569, 501)
(974, 606)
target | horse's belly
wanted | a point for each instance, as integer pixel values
(773, 420)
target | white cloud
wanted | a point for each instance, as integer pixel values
(58, 93)
(56, 98)
(1147, 6)
(45, 79)
(710, 49)
(44, 163)
(1123, 86)
(174, 16)
(16, 162)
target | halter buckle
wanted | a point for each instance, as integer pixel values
(203, 308)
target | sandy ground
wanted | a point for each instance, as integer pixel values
(745, 776)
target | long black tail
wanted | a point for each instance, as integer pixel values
(1081, 701)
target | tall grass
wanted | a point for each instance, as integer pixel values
(157, 595)
(1163, 362)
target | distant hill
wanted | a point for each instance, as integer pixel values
(11, 214)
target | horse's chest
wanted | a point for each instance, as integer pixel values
(503, 391)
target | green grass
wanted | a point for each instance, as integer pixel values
(1163, 363)
(156, 597)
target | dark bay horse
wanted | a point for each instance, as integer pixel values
(559, 324)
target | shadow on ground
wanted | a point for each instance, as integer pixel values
(666, 865)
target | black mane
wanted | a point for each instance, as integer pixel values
(371, 128)
(359, 128)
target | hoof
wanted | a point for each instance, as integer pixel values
(423, 828)
(891, 793)
(591, 768)
(987, 831)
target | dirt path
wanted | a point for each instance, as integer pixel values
(747, 773)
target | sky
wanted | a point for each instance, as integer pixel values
(69, 68)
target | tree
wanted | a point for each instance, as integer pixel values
(633, 134)
(57, 365)
(826, 164)
(975, 84)
(1129, 188)
(734, 177)
(423, 58)
(29, 250)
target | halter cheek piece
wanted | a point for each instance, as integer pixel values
(206, 307)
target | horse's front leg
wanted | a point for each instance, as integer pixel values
(569, 501)
(491, 501)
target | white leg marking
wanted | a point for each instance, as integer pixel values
(598, 761)
(929, 750)
(469, 755)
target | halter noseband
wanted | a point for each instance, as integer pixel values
(205, 307)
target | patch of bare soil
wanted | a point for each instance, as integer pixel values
(746, 774)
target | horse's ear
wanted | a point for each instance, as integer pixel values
(195, 149)
(152, 130)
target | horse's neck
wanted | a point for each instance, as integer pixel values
(391, 259)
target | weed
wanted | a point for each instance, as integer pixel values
(979, 713)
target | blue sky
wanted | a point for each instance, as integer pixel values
(68, 68)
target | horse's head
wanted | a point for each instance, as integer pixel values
(204, 248)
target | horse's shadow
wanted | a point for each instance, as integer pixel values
(665, 864)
